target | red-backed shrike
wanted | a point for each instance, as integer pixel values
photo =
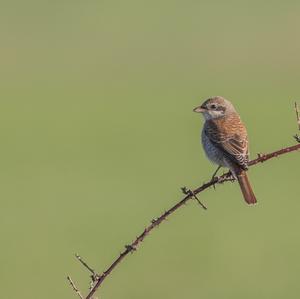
(225, 141)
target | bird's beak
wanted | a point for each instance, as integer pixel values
(199, 109)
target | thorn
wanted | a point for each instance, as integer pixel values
(94, 277)
(184, 190)
(193, 195)
(154, 220)
(130, 248)
(297, 138)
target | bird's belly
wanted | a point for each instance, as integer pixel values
(212, 152)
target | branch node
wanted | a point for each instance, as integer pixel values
(260, 155)
(227, 177)
(94, 277)
(154, 220)
(191, 194)
(130, 248)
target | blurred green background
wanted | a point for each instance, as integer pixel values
(98, 136)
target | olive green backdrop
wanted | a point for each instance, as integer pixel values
(98, 136)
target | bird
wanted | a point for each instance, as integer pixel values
(225, 141)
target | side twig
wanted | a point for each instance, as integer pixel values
(190, 194)
(94, 276)
(79, 258)
(297, 137)
(74, 287)
(297, 115)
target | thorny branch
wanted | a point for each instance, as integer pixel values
(98, 279)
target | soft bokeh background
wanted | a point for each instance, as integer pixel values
(98, 135)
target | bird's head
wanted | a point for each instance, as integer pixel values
(215, 107)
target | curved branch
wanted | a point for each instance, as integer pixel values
(190, 194)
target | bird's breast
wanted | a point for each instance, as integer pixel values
(212, 152)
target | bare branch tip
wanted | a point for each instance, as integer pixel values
(297, 115)
(85, 264)
(75, 289)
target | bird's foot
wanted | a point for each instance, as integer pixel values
(214, 176)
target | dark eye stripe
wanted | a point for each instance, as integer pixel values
(221, 108)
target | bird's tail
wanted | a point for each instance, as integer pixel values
(246, 188)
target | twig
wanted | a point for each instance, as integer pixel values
(297, 115)
(74, 287)
(79, 258)
(190, 192)
(94, 276)
(297, 137)
(156, 221)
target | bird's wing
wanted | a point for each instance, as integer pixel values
(231, 138)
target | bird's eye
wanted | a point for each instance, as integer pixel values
(213, 106)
